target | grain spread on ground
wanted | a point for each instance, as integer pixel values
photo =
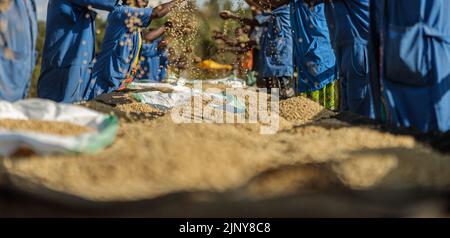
(157, 157)
(303, 109)
(137, 107)
(48, 127)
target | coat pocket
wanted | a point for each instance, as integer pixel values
(408, 55)
(70, 11)
(319, 58)
(359, 60)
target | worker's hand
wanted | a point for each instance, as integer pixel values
(163, 44)
(217, 35)
(168, 24)
(182, 63)
(187, 50)
(171, 51)
(197, 60)
(182, 66)
(227, 15)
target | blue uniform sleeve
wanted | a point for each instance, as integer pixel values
(106, 5)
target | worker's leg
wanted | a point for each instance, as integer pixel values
(330, 96)
(261, 82)
(410, 106)
(66, 84)
(286, 87)
(356, 94)
(315, 96)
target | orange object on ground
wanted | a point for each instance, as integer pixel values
(247, 60)
(212, 65)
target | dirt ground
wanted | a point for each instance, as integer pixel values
(313, 153)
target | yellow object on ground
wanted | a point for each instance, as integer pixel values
(212, 65)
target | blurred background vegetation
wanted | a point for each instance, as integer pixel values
(205, 47)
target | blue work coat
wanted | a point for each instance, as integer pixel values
(415, 77)
(69, 48)
(153, 66)
(348, 22)
(18, 35)
(120, 49)
(276, 52)
(313, 54)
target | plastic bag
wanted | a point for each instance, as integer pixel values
(103, 134)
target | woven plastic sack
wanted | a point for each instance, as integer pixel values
(103, 133)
